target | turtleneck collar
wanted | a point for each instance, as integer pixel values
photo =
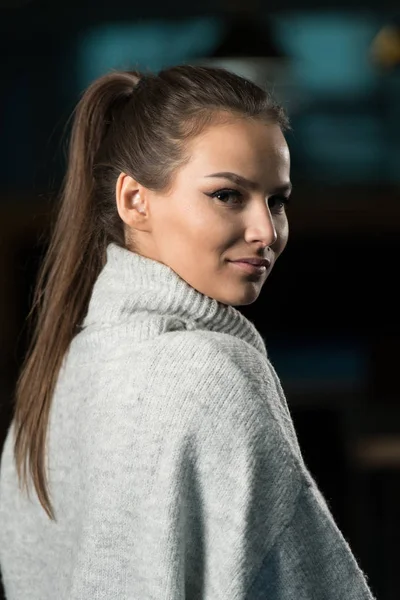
(149, 296)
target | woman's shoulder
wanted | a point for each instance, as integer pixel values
(215, 372)
(202, 346)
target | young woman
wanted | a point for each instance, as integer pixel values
(173, 468)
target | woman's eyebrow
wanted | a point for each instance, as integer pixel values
(285, 189)
(251, 185)
(239, 179)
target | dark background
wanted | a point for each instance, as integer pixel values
(329, 312)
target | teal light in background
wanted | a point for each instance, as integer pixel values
(344, 147)
(345, 363)
(145, 45)
(392, 124)
(330, 50)
(348, 127)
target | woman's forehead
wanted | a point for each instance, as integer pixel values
(253, 149)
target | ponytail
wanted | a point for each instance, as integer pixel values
(75, 256)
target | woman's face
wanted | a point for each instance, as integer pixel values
(228, 202)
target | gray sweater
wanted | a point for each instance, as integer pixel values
(174, 469)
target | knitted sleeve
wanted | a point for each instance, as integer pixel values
(310, 559)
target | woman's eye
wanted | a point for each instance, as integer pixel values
(278, 203)
(227, 196)
(234, 197)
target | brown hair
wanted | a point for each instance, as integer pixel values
(125, 122)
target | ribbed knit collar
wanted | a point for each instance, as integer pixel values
(131, 285)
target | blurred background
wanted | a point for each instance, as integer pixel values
(329, 312)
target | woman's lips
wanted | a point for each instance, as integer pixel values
(249, 268)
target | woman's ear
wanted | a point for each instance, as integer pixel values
(130, 200)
